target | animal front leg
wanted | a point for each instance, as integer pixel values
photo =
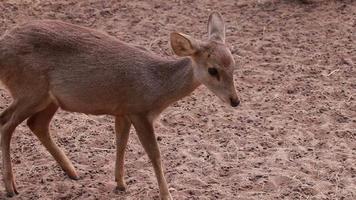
(145, 132)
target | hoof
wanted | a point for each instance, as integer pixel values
(11, 194)
(120, 188)
(74, 178)
(12, 191)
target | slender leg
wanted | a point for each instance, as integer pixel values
(145, 132)
(39, 125)
(122, 129)
(7, 130)
(10, 119)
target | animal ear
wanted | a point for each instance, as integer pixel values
(183, 45)
(216, 27)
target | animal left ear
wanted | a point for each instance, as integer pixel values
(216, 27)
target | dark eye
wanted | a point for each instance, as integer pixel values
(213, 71)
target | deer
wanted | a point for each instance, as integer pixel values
(49, 64)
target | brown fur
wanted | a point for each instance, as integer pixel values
(64, 54)
(50, 64)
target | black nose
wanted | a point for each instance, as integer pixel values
(234, 102)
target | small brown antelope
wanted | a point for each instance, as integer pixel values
(50, 64)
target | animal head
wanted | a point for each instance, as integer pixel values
(213, 63)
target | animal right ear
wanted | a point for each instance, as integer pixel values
(183, 45)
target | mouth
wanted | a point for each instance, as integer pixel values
(234, 102)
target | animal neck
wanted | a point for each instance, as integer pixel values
(178, 80)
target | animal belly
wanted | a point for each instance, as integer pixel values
(93, 104)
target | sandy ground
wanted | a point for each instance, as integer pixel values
(294, 136)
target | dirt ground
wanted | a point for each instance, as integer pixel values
(293, 137)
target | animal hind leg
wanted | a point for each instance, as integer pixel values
(39, 125)
(17, 112)
(122, 129)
